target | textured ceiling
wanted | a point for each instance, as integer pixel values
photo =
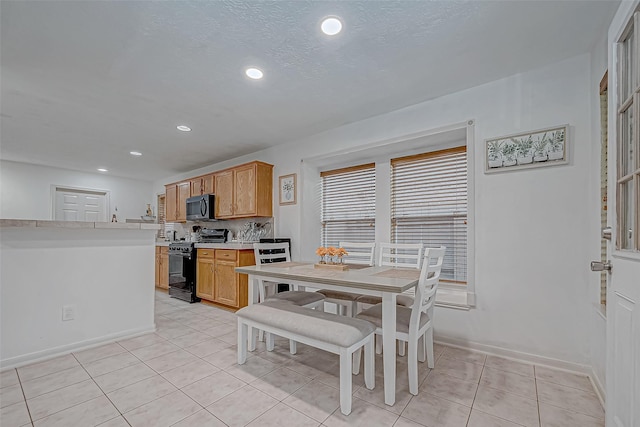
(84, 83)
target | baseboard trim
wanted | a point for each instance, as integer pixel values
(518, 356)
(50, 353)
(598, 387)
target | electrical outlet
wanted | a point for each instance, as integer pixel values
(68, 312)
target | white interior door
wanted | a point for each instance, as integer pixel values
(72, 205)
(623, 293)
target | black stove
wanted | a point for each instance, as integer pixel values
(182, 271)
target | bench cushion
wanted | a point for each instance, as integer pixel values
(330, 328)
(297, 297)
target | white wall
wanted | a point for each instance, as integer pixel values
(598, 324)
(106, 274)
(532, 226)
(25, 191)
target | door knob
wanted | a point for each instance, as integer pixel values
(601, 266)
(606, 233)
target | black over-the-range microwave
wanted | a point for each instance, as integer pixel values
(201, 208)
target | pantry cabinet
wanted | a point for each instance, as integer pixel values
(176, 196)
(216, 279)
(162, 267)
(244, 191)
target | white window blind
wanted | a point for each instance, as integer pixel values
(348, 205)
(429, 205)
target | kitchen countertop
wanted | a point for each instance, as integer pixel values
(30, 223)
(229, 245)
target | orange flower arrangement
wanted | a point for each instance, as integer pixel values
(331, 251)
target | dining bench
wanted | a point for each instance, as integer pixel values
(336, 334)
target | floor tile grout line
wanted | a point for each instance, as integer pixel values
(96, 347)
(24, 396)
(574, 411)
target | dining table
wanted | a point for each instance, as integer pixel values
(383, 281)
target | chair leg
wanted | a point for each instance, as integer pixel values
(356, 361)
(378, 344)
(242, 342)
(293, 348)
(345, 381)
(428, 340)
(413, 366)
(369, 364)
(422, 350)
(261, 335)
(401, 348)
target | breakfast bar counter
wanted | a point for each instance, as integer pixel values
(70, 285)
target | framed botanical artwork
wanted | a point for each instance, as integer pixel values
(287, 185)
(544, 147)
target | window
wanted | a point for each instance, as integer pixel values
(628, 162)
(161, 215)
(348, 205)
(429, 205)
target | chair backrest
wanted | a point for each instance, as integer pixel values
(427, 284)
(401, 255)
(271, 252)
(359, 253)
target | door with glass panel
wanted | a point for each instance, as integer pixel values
(623, 293)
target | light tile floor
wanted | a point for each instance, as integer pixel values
(185, 375)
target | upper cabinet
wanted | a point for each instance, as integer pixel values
(203, 185)
(244, 191)
(241, 192)
(176, 201)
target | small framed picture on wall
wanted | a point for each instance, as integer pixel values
(287, 185)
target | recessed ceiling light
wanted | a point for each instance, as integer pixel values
(135, 153)
(184, 128)
(254, 73)
(331, 26)
(103, 170)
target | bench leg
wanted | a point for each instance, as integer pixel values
(269, 341)
(356, 361)
(253, 335)
(369, 364)
(293, 349)
(345, 381)
(242, 342)
(401, 348)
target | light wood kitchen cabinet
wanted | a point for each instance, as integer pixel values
(176, 196)
(162, 267)
(203, 185)
(231, 288)
(216, 279)
(244, 191)
(205, 274)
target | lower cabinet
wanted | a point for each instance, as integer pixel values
(205, 274)
(216, 279)
(162, 267)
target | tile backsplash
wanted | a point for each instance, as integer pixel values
(235, 226)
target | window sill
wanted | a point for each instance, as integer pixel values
(450, 297)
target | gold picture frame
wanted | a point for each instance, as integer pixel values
(287, 189)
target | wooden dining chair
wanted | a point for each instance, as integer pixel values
(266, 253)
(279, 252)
(414, 325)
(357, 254)
(406, 255)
